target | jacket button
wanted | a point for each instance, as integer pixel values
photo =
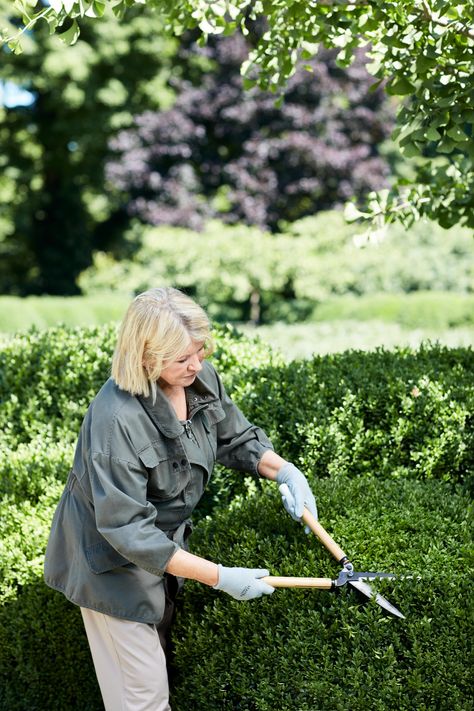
(183, 462)
(175, 465)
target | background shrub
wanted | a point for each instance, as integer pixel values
(292, 272)
(19, 314)
(425, 309)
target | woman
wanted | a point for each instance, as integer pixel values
(146, 448)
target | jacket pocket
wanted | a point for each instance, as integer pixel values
(168, 476)
(102, 557)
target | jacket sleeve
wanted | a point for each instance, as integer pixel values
(124, 517)
(240, 445)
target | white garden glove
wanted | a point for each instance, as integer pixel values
(297, 494)
(243, 583)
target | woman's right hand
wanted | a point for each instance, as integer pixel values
(243, 583)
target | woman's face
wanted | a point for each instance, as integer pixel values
(183, 370)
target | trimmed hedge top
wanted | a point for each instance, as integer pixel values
(385, 413)
(48, 378)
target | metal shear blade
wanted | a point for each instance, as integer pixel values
(357, 580)
(366, 590)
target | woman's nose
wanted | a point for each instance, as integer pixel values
(195, 364)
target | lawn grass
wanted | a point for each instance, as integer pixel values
(302, 340)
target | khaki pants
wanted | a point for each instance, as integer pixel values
(129, 660)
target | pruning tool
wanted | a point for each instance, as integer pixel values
(347, 576)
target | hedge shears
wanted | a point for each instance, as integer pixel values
(347, 576)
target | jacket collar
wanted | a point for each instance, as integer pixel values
(198, 395)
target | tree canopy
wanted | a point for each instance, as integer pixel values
(54, 210)
(221, 151)
(421, 50)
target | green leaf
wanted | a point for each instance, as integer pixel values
(70, 36)
(440, 120)
(15, 46)
(410, 150)
(400, 86)
(373, 87)
(432, 134)
(457, 134)
(234, 11)
(352, 213)
(97, 9)
(206, 27)
(446, 146)
(424, 63)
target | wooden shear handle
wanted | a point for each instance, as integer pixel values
(282, 582)
(323, 536)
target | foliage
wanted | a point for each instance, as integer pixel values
(374, 422)
(305, 339)
(239, 273)
(48, 378)
(387, 414)
(223, 151)
(45, 631)
(426, 309)
(339, 260)
(28, 470)
(235, 272)
(430, 311)
(423, 50)
(52, 152)
(296, 649)
(313, 650)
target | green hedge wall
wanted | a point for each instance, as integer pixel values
(387, 440)
(400, 413)
(48, 378)
(314, 650)
(386, 413)
(300, 650)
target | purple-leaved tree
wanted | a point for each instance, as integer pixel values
(222, 151)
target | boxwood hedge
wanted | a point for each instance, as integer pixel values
(313, 650)
(301, 650)
(400, 413)
(386, 413)
(47, 378)
(387, 440)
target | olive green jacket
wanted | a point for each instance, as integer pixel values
(138, 474)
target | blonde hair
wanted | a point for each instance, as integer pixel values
(157, 328)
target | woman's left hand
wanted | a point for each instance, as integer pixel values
(300, 495)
